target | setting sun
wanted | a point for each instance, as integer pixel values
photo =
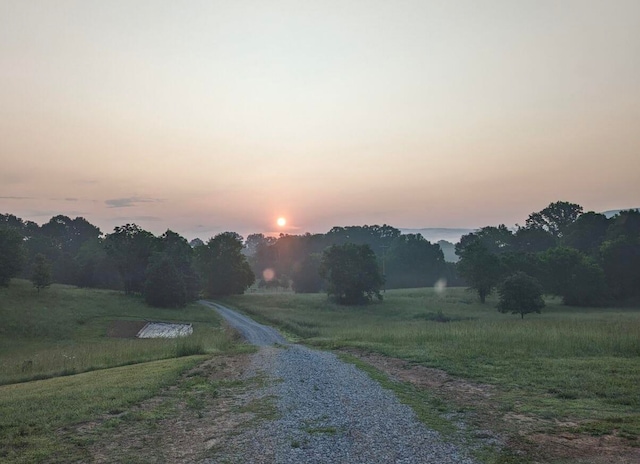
(281, 221)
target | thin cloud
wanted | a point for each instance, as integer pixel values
(137, 218)
(130, 201)
(17, 198)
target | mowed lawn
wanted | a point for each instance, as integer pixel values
(58, 368)
(566, 364)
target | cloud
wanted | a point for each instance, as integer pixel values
(16, 198)
(130, 201)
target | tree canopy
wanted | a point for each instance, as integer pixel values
(352, 273)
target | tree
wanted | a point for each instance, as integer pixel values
(520, 294)
(306, 276)
(555, 218)
(222, 266)
(131, 247)
(413, 262)
(180, 252)
(41, 276)
(587, 233)
(352, 273)
(621, 264)
(164, 286)
(480, 268)
(11, 255)
(572, 275)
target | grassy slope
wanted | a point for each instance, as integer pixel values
(61, 331)
(566, 363)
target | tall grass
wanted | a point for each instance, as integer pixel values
(578, 362)
(62, 331)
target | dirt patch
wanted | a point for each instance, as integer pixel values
(181, 424)
(125, 329)
(536, 438)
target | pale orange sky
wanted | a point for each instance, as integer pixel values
(211, 116)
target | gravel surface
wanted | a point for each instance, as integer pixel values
(328, 412)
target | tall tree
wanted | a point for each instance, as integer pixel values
(352, 273)
(41, 276)
(555, 218)
(164, 286)
(479, 267)
(222, 266)
(413, 261)
(130, 247)
(11, 254)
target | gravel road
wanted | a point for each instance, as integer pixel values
(328, 411)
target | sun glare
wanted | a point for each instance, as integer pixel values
(281, 221)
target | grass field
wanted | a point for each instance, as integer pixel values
(62, 331)
(566, 365)
(47, 336)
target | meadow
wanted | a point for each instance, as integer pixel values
(59, 369)
(568, 365)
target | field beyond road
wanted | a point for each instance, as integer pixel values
(566, 379)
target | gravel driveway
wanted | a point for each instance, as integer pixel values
(328, 411)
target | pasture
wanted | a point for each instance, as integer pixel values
(48, 337)
(568, 369)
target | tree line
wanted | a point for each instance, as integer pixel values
(586, 259)
(167, 270)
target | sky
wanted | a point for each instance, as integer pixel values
(209, 116)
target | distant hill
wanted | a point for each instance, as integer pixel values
(434, 235)
(613, 212)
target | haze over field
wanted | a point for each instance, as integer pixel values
(212, 116)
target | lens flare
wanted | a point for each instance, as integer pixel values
(440, 286)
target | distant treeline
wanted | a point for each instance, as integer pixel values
(586, 258)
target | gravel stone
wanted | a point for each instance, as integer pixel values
(329, 412)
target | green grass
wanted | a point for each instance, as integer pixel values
(581, 364)
(33, 415)
(58, 368)
(62, 331)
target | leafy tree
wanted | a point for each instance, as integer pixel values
(572, 275)
(41, 276)
(222, 266)
(479, 267)
(515, 261)
(164, 286)
(414, 262)
(520, 294)
(306, 276)
(180, 252)
(555, 218)
(587, 233)
(131, 247)
(352, 273)
(621, 265)
(11, 255)
(533, 240)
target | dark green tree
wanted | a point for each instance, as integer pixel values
(555, 218)
(352, 273)
(223, 268)
(412, 261)
(587, 233)
(621, 265)
(41, 275)
(568, 273)
(11, 254)
(306, 276)
(180, 252)
(520, 294)
(480, 268)
(130, 247)
(164, 286)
